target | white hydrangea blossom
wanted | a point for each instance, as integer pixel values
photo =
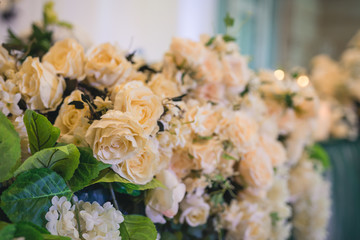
(96, 222)
(9, 97)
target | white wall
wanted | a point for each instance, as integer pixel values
(134, 24)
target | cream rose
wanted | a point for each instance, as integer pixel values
(39, 85)
(68, 58)
(139, 101)
(242, 131)
(163, 87)
(194, 210)
(115, 138)
(164, 201)
(236, 72)
(106, 66)
(256, 169)
(7, 62)
(203, 120)
(214, 92)
(71, 121)
(274, 149)
(181, 163)
(206, 155)
(141, 168)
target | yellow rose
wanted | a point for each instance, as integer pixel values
(139, 101)
(39, 85)
(274, 149)
(164, 201)
(141, 168)
(256, 169)
(194, 210)
(163, 87)
(71, 120)
(7, 62)
(115, 137)
(106, 66)
(206, 155)
(68, 58)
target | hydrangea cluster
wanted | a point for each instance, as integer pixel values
(90, 220)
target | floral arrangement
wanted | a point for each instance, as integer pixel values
(97, 144)
(340, 95)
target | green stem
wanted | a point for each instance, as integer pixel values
(78, 219)
(113, 197)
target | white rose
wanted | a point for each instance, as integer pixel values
(206, 155)
(106, 66)
(39, 85)
(164, 201)
(194, 210)
(68, 58)
(256, 169)
(138, 100)
(6, 61)
(9, 97)
(115, 137)
(141, 168)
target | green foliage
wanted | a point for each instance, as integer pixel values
(274, 218)
(63, 160)
(27, 230)
(109, 176)
(318, 153)
(29, 197)
(50, 16)
(286, 99)
(42, 134)
(136, 227)
(88, 169)
(211, 40)
(229, 157)
(228, 20)
(10, 148)
(228, 38)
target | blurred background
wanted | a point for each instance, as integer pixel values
(273, 33)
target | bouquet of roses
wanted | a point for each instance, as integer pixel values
(92, 141)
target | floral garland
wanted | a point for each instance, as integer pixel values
(199, 143)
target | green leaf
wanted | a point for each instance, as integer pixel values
(318, 153)
(63, 160)
(53, 237)
(274, 218)
(10, 148)
(42, 134)
(229, 157)
(7, 232)
(136, 227)
(228, 20)
(29, 197)
(88, 169)
(108, 175)
(211, 40)
(228, 38)
(27, 230)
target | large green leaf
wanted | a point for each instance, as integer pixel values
(136, 227)
(88, 169)
(108, 175)
(53, 237)
(29, 197)
(10, 150)
(63, 160)
(42, 134)
(7, 231)
(318, 153)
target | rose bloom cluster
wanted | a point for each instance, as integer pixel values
(220, 138)
(338, 85)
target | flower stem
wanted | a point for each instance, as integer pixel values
(113, 196)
